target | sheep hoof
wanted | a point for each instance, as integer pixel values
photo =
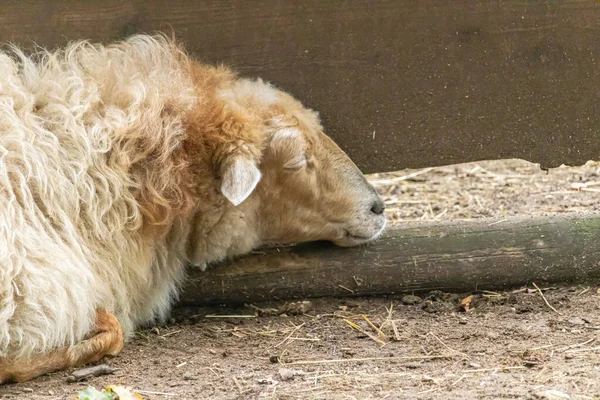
(200, 266)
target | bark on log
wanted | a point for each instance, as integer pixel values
(452, 256)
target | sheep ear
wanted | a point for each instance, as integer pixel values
(240, 177)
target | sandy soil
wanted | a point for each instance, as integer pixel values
(488, 189)
(496, 345)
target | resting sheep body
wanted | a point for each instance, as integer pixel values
(119, 164)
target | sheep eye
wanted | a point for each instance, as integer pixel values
(295, 164)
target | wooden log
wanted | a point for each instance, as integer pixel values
(451, 256)
(399, 84)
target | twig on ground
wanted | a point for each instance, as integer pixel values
(472, 371)
(388, 319)
(376, 329)
(345, 288)
(346, 360)
(582, 396)
(582, 350)
(583, 291)
(155, 393)
(229, 316)
(170, 334)
(429, 390)
(290, 335)
(541, 347)
(84, 373)
(576, 345)
(458, 380)
(545, 300)
(237, 383)
(448, 347)
(361, 330)
(440, 215)
(396, 333)
(305, 339)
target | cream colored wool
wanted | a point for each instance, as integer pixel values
(69, 237)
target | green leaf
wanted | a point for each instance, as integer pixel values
(91, 393)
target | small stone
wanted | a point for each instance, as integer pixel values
(173, 384)
(348, 352)
(569, 356)
(27, 390)
(576, 321)
(427, 378)
(552, 395)
(522, 309)
(212, 351)
(51, 392)
(274, 359)
(343, 308)
(462, 321)
(267, 381)
(435, 295)
(188, 376)
(411, 300)
(429, 307)
(268, 312)
(475, 365)
(352, 303)
(296, 308)
(286, 374)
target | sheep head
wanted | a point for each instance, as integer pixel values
(304, 187)
(296, 186)
(311, 190)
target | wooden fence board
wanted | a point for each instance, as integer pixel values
(398, 83)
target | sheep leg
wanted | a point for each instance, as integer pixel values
(107, 341)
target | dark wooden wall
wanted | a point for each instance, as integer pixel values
(399, 83)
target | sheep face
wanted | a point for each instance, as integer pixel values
(291, 184)
(311, 190)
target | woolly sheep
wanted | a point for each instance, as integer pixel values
(122, 163)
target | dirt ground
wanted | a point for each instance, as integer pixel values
(517, 345)
(488, 189)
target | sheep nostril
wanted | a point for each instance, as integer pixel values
(378, 207)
